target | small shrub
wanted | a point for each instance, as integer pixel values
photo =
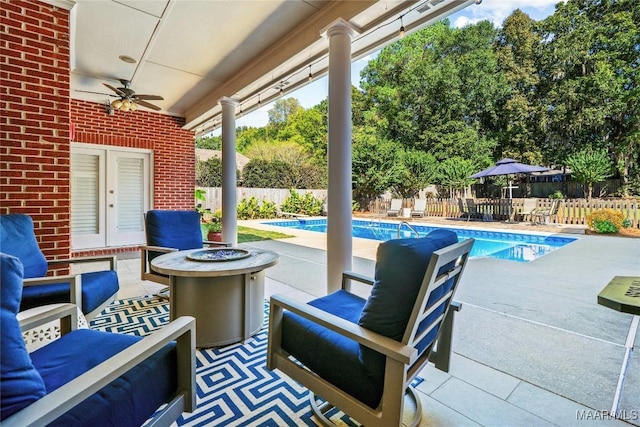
(605, 220)
(626, 223)
(307, 204)
(556, 195)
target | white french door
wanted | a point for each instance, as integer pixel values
(110, 191)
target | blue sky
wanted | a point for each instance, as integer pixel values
(493, 10)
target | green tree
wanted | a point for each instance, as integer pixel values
(589, 167)
(282, 109)
(412, 171)
(209, 172)
(259, 173)
(590, 73)
(517, 50)
(372, 160)
(454, 173)
(209, 142)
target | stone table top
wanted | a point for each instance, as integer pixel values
(177, 264)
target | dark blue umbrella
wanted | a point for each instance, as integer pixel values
(508, 166)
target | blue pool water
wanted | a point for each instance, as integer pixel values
(495, 244)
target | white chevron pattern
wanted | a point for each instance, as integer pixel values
(234, 386)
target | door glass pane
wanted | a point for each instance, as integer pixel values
(84, 194)
(130, 194)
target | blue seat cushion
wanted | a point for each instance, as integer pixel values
(127, 401)
(173, 229)
(17, 238)
(21, 383)
(97, 287)
(330, 355)
(399, 271)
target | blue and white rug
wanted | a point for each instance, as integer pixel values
(234, 386)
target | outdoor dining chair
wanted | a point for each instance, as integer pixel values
(360, 356)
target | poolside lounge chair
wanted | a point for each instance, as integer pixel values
(528, 208)
(468, 209)
(396, 206)
(419, 208)
(544, 216)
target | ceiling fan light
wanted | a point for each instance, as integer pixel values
(133, 106)
(126, 104)
(116, 104)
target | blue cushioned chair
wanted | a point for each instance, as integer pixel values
(170, 231)
(87, 377)
(91, 291)
(359, 355)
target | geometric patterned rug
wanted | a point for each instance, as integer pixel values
(234, 386)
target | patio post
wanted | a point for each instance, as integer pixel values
(339, 240)
(229, 208)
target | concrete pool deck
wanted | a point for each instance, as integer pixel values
(531, 345)
(535, 324)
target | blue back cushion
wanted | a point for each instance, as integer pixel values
(21, 383)
(18, 238)
(400, 268)
(174, 229)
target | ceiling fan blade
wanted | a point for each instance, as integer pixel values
(148, 105)
(150, 97)
(116, 90)
(97, 93)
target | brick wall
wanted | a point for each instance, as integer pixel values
(35, 128)
(34, 124)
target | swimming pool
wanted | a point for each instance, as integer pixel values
(495, 244)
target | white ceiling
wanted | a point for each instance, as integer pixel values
(195, 52)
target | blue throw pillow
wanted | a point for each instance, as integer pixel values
(21, 383)
(400, 268)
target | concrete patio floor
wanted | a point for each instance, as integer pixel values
(531, 345)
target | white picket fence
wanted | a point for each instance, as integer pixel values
(275, 195)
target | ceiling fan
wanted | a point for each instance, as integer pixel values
(128, 100)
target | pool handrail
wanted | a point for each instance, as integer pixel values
(410, 228)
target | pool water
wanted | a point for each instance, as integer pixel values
(495, 244)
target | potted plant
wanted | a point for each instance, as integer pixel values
(214, 230)
(213, 225)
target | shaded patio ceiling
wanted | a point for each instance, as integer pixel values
(194, 52)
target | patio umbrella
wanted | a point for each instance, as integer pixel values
(508, 166)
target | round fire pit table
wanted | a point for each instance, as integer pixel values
(222, 288)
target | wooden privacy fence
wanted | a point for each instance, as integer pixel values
(213, 195)
(570, 211)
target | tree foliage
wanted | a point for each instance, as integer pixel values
(589, 167)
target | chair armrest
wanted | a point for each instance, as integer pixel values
(348, 276)
(157, 249)
(56, 403)
(112, 259)
(74, 280)
(385, 345)
(37, 316)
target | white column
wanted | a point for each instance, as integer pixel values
(229, 202)
(339, 240)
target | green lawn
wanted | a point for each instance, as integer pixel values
(246, 234)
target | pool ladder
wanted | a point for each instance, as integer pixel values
(409, 226)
